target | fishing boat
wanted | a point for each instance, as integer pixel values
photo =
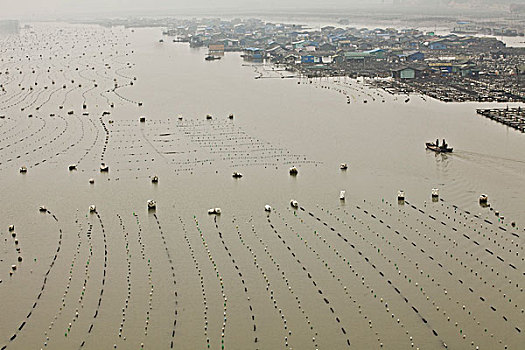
(237, 175)
(437, 148)
(212, 58)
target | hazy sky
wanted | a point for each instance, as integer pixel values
(37, 8)
(34, 9)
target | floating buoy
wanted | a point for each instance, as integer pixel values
(483, 199)
(216, 211)
(152, 204)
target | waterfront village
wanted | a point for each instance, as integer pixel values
(451, 68)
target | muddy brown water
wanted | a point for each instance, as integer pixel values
(367, 272)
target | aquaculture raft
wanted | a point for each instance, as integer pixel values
(513, 117)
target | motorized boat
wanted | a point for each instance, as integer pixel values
(437, 148)
(294, 203)
(212, 58)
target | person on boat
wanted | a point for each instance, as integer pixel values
(437, 142)
(444, 146)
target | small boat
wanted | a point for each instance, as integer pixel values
(214, 211)
(106, 113)
(104, 167)
(23, 169)
(400, 195)
(92, 208)
(293, 171)
(155, 179)
(435, 192)
(152, 204)
(180, 117)
(212, 58)
(267, 208)
(142, 119)
(437, 148)
(91, 181)
(342, 195)
(11, 227)
(140, 104)
(209, 117)
(161, 40)
(42, 208)
(72, 167)
(294, 203)
(230, 116)
(237, 175)
(70, 112)
(343, 166)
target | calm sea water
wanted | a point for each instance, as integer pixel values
(366, 271)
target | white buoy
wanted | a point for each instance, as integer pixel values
(152, 204)
(216, 211)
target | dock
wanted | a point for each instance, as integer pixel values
(513, 117)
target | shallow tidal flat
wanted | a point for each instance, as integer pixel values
(366, 272)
